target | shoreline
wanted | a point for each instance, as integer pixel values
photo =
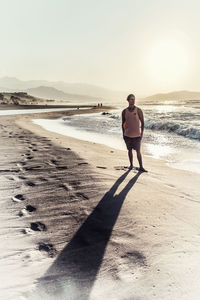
(39, 106)
(144, 226)
(168, 153)
(61, 140)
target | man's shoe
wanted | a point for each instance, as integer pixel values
(142, 170)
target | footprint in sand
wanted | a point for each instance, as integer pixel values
(26, 231)
(82, 163)
(100, 167)
(83, 196)
(21, 213)
(28, 154)
(124, 168)
(55, 162)
(53, 176)
(42, 178)
(30, 208)
(52, 162)
(30, 183)
(170, 185)
(22, 177)
(10, 178)
(61, 167)
(18, 198)
(32, 168)
(25, 211)
(64, 186)
(135, 257)
(7, 170)
(75, 183)
(38, 226)
(29, 157)
(49, 248)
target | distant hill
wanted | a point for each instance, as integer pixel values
(20, 98)
(177, 95)
(23, 98)
(55, 94)
(84, 89)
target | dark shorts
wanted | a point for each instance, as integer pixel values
(132, 142)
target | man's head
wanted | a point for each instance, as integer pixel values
(131, 99)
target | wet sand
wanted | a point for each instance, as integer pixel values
(76, 224)
(39, 106)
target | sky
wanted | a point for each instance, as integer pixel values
(142, 46)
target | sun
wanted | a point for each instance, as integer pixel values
(167, 60)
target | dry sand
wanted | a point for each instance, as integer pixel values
(76, 224)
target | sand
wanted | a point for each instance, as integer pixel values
(76, 224)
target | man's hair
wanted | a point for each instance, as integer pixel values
(129, 96)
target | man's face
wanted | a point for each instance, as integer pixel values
(131, 101)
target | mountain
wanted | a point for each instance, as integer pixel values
(177, 95)
(21, 98)
(71, 88)
(55, 94)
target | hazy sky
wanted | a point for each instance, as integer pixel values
(144, 46)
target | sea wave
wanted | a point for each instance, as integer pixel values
(117, 117)
(180, 129)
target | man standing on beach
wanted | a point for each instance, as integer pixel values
(132, 116)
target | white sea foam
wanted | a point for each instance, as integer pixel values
(182, 128)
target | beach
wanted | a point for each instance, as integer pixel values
(77, 224)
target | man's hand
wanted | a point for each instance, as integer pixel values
(123, 121)
(141, 117)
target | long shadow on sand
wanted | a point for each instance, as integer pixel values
(73, 273)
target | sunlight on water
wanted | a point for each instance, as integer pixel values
(164, 108)
(159, 151)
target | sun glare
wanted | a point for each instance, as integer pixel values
(167, 60)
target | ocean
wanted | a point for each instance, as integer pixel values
(172, 131)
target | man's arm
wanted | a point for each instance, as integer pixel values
(141, 117)
(123, 120)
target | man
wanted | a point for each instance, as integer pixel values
(132, 116)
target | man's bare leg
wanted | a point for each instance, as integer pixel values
(139, 157)
(130, 155)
